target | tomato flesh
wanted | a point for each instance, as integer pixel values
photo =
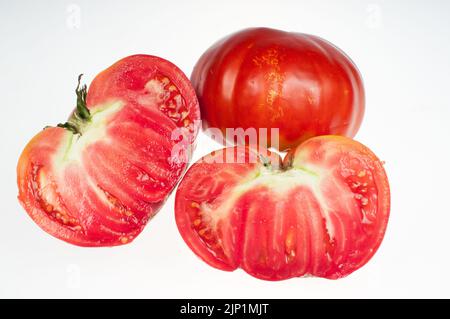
(322, 212)
(100, 186)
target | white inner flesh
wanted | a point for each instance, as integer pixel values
(93, 131)
(280, 183)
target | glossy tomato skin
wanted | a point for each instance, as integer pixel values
(99, 187)
(266, 78)
(322, 211)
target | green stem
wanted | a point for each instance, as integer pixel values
(82, 110)
(265, 160)
(81, 115)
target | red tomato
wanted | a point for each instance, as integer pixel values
(97, 179)
(265, 78)
(322, 212)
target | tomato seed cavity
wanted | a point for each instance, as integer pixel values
(170, 101)
(55, 211)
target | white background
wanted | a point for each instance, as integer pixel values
(402, 49)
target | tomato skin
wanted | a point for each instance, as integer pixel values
(323, 212)
(100, 185)
(266, 78)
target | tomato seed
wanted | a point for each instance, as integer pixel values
(197, 222)
(195, 205)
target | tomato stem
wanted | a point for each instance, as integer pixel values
(81, 115)
(265, 160)
(82, 110)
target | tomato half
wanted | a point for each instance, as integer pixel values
(322, 211)
(97, 179)
(264, 78)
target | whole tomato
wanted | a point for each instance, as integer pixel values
(98, 178)
(265, 78)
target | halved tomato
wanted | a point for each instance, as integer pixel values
(322, 211)
(98, 178)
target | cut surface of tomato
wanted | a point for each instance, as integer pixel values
(98, 178)
(322, 211)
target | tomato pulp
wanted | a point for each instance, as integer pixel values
(264, 78)
(322, 211)
(98, 178)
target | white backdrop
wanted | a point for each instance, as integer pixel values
(402, 49)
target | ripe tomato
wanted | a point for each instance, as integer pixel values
(323, 211)
(265, 78)
(97, 179)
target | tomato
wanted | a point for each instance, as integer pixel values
(98, 178)
(265, 78)
(322, 211)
